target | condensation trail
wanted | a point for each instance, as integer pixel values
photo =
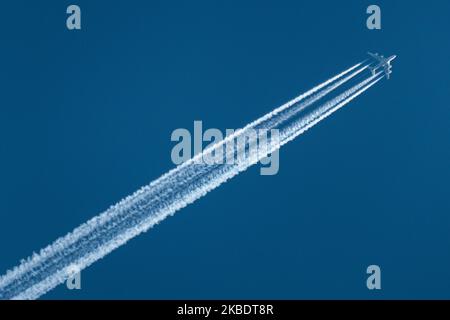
(174, 190)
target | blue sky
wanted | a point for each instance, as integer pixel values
(86, 118)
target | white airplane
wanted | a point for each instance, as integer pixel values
(383, 62)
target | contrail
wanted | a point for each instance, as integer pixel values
(174, 190)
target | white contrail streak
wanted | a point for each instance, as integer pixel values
(174, 190)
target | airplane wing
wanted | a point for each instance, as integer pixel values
(387, 70)
(375, 56)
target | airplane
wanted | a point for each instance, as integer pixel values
(383, 62)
